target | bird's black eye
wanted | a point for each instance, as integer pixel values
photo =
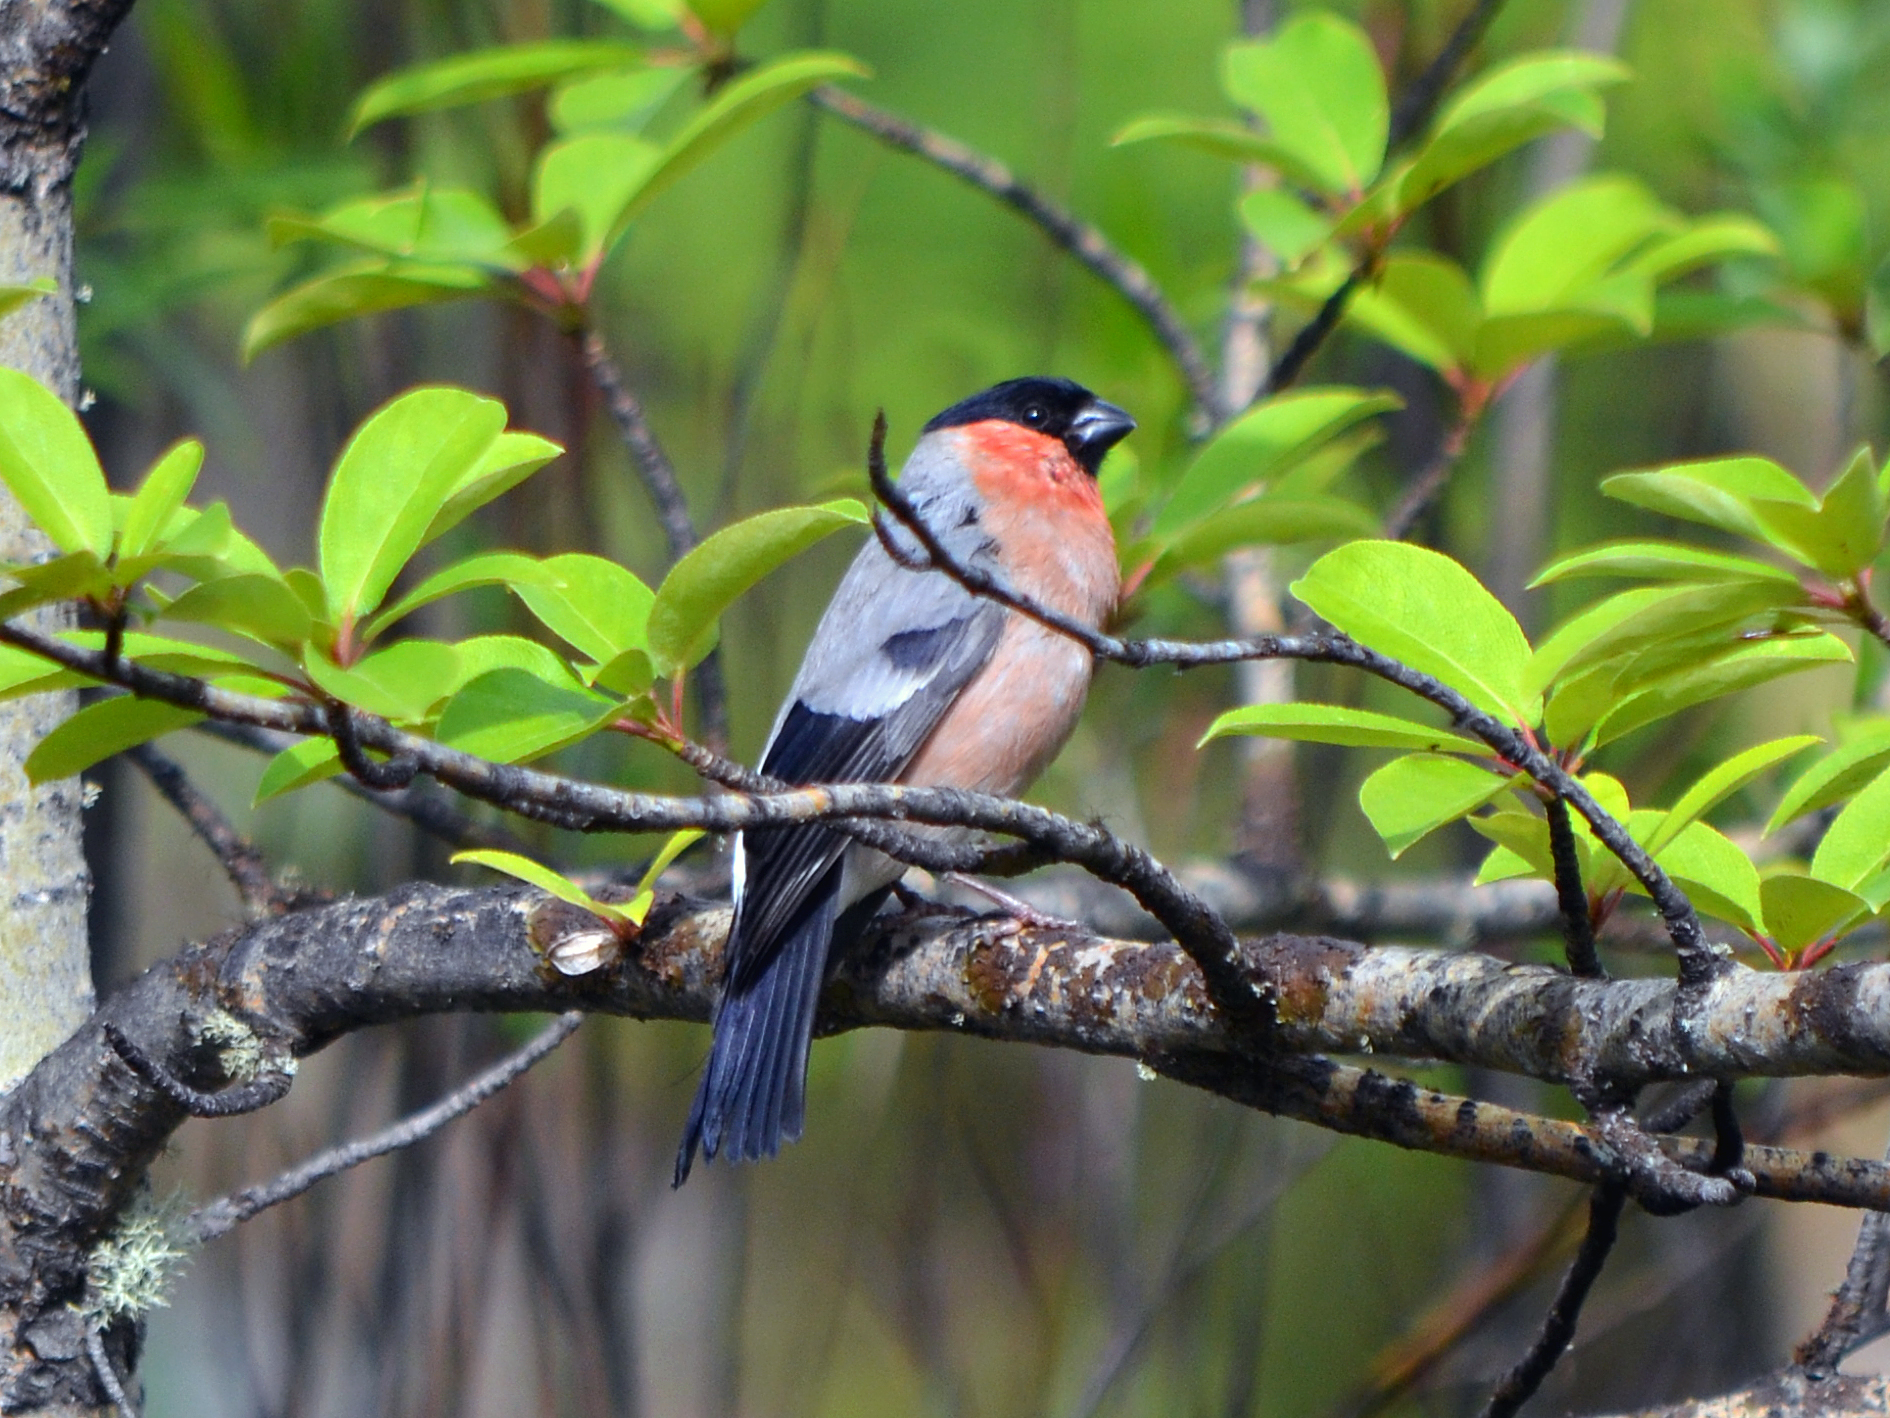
(1035, 415)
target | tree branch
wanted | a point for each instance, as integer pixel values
(672, 508)
(1430, 481)
(423, 807)
(1858, 1309)
(240, 860)
(1578, 923)
(1700, 962)
(1558, 1326)
(1088, 245)
(1418, 103)
(296, 982)
(214, 1218)
(646, 453)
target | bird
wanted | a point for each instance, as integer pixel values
(910, 678)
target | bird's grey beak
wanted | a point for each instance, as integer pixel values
(1097, 429)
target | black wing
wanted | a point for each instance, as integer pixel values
(783, 865)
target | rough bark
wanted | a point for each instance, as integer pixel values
(1788, 1395)
(47, 48)
(46, 51)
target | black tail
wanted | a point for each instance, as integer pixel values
(753, 1095)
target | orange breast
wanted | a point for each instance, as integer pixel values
(1055, 546)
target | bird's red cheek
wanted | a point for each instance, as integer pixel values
(1010, 463)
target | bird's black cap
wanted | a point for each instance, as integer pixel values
(1060, 408)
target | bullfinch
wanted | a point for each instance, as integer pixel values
(910, 679)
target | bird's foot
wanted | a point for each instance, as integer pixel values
(1025, 915)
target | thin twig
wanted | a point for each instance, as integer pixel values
(1416, 105)
(646, 453)
(107, 1375)
(1700, 962)
(1558, 1326)
(1122, 273)
(240, 860)
(1858, 1309)
(425, 808)
(1429, 482)
(1578, 923)
(1457, 1314)
(672, 508)
(1413, 112)
(216, 1217)
(1315, 332)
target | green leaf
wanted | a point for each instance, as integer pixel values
(1333, 723)
(262, 607)
(1748, 664)
(1219, 138)
(630, 674)
(1522, 848)
(351, 291)
(513, 716)
(1843, 534)
(1716, 491)
(1411, 797)
(422, 223)
(545, 879)
(1704, 242)
(72, 577)
(100, 730)
(1629, 620)
(590, 602)
(391, 481)
(725, 17)
(1718, 877)
(1801, 910)
(159, 497)
(609, 178)
(1505, 343)
(1659, 561)
(511, 459)
(1263, 444)
(678, 843)
(485, 653)
(481, 74)
(706, 582)
(1722, 781)
(12, 297)
(1858, 841)
(1877, 309)
(297, 766)
(1556, 251)
(1318, 85)
(552, 243)
(494, 568)
(401, 683)
(48, 463)
(1823, 226)
(1424, 305)
(1422, 608)
(738, 105)
(1835, 777)
(657, 15)
(1283, 224)
(1501, 109)
(594, 175)
(625, 101)
(1266, 521)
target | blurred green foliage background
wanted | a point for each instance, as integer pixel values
(966, 1228)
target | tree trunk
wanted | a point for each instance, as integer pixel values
(47, 48)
